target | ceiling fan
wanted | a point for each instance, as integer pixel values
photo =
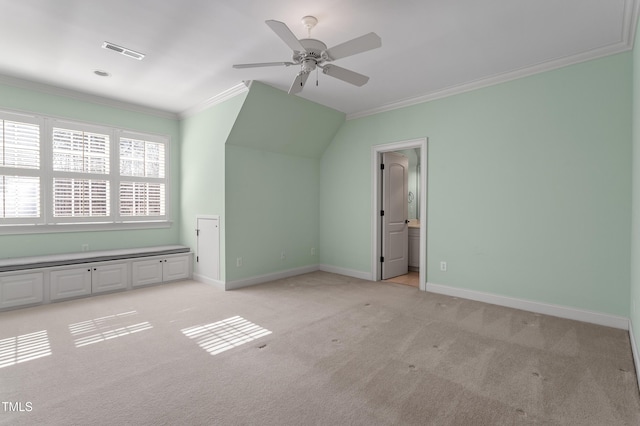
(310, 53)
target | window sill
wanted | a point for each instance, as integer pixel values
(82, 227)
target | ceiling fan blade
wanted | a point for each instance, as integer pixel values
(282, 31)
(345, 75)
(298, 83)
(264, 64)
(355, 46)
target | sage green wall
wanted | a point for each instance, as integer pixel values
(529, 186)
(13, 98)
(203, 169)
(634, 307)
(272, 180)
(272, 206)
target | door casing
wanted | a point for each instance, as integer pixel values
(376, 203)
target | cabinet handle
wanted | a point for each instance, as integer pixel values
(95, 269)
(89, 270)
(161, 261)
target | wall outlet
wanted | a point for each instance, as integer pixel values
(238, 262)
(443, 266)
(313, 251)
(85, 247)
(283, 256)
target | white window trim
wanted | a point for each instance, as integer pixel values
(46, 223)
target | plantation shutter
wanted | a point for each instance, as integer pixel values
(142, 170)
(82, 157)
(19, 157)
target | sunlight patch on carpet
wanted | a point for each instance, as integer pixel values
(106, 328)
(25, 347)
(223, 335)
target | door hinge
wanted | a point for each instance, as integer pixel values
(382, 166)
(197, 232)
(197, 258)
(381, 258)
(381, 212)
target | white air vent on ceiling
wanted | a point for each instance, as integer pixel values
(123, 50)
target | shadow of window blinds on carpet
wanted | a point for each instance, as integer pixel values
(223, 335)
(106, 328)
(25, 347)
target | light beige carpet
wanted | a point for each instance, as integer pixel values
(318, 349)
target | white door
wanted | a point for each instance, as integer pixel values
(208, 252)
(395, 236)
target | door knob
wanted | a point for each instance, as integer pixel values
(406, 221)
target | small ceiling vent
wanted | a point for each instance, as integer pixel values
(123, 50)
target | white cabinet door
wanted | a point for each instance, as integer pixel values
(109, 277)
(145, 272)
(414, 247)
(21, 289)
(175, 268)
(66, 283)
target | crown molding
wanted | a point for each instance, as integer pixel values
(217, 99)
(82, 96)
(627, 37)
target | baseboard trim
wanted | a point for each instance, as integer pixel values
(634, 351)
(348, 272)
(538, 307)
(206, 280)
(260, 279)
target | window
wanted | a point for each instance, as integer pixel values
(54, 172)
(80, 173)
(19, 168)
(142, 188)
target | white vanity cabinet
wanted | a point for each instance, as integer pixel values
(160, 269)
(88, 279)
(414, 248)
(21, 289)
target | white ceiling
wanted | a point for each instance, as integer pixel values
(430, 48)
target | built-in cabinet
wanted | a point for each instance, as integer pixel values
(21, 289)
(49, 284)
(159, 269)
(91, 278)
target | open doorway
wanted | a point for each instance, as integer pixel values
(381, 226)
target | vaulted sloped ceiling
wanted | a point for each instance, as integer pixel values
(271, 120)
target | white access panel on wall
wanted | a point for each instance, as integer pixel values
(208, 251)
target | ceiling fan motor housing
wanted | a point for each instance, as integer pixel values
(314, 54)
